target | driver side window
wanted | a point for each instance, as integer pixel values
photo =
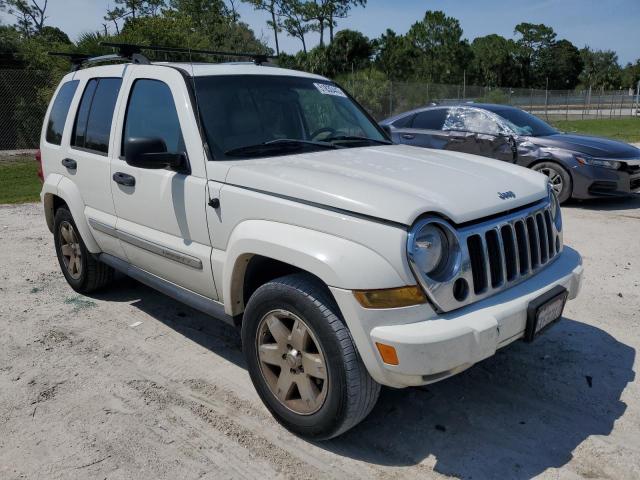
(464, 119)
(151, 113)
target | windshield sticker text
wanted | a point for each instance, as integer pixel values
(325, 89)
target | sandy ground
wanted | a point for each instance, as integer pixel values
(130, 384)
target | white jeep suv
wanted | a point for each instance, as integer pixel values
(270, 199)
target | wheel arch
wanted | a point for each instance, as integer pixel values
(260, 250)
(65, 192)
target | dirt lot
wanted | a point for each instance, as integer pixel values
(129, 384)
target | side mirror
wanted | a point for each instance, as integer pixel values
(387, 129)
(151, 152)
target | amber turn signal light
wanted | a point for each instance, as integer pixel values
(390, 297)
(388, 354)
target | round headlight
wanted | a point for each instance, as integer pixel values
(431, 248)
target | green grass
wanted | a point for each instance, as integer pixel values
(19, 181)
(624, 129)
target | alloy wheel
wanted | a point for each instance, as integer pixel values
(292, 362)
(70, 248)
(555, 179)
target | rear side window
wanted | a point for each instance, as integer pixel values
(404, 122)
(59, 111)
(430, 119)
(95, 114)
(152, 114)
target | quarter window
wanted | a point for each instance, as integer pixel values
(95, 114)
(152, 113)
(430, 119)
(59, 111)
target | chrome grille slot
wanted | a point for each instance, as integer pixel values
(523, 246)
(478, 269)
(511, 257)
(495, 257)
(542, 239)
(550, 242)
(534, 246)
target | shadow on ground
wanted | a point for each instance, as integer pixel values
(512, 416)
(605, 204)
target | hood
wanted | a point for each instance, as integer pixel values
(593, 146)
(395, 182)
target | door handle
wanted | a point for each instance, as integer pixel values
(69, 163)
(408, 136)
(124, 179)
(457, 139)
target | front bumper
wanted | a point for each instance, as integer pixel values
(437, 346)
(597, 182)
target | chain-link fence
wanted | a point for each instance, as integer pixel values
(387, 98)
(25, 94)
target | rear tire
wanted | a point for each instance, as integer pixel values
(558, 177)
(317, 399)
(84, 273)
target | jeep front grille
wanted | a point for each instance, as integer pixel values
(511, 249)
(494, 255)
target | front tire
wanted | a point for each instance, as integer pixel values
(84, 273)
(302, 360)
(558, 177)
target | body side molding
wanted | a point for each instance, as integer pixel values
(152, 247)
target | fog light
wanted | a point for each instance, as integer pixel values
(388, 354)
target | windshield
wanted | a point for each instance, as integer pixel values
(248, 116)
(524, 123)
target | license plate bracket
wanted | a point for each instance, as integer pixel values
(544, 311)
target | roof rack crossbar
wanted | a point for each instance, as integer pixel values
(258, 58)
(79, 59)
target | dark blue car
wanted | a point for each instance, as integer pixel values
(578, 166)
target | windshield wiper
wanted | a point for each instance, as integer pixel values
(358, 138)
(279, 144)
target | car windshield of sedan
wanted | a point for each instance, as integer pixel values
(249, 116)
(524, 123)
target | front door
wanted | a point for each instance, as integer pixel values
(162, 221)
(471, 130)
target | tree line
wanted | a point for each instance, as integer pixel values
(433, 50)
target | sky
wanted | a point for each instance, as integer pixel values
(600, 24)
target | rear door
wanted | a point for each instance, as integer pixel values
(425, 129)
(88, 148)
(162, 221)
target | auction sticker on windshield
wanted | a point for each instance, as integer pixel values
(325, 89)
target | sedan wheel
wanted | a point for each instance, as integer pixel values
(559, 179)
(554, 179)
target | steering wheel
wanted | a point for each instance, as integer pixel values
(329, 130)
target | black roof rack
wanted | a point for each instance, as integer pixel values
(79, 59)
(133, 53)
(258, 58)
